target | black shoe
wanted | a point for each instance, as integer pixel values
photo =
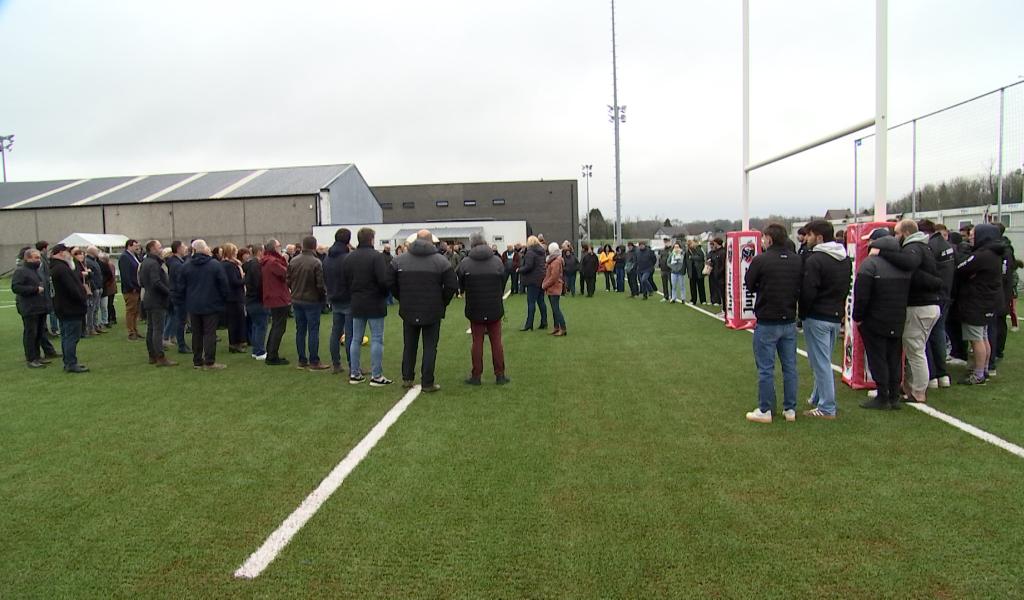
(302, 365)
(35, 364)
(543, 326)
(875, 404)
(526, 329)
(184, 350)
(235, 350)
(77, 369)
(502, 380)
(472, 381)
(895, 406)
(429, 389)
(53, 355)
(276, 361)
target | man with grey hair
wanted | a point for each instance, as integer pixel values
(481, 278)
(424, 284)
(202, 288)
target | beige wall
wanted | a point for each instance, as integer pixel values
(140, 221)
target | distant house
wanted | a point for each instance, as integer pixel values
(671, 233)
(838, 214)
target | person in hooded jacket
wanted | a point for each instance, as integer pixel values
(677, 266)
(69, 302)
(589, 264)
(202, 289)
(554, 287)
(339, 297)
(954, 328)
(979, 282)
(823, 292)
(480, 277)
(572, 267)
(880, 312)
(531, 276)
(424, 284)
(945, 267)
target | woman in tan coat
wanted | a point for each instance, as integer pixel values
(554, 287)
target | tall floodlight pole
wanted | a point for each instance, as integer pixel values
(746, 116)
(588, 172)
(881, 105)
(617, 116)
(6, 142)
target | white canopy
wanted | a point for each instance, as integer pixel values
(100, 240)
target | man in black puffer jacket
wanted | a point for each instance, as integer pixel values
(369, 280)
(531, 275)
(482, 281)
(202, 288)
(997, 330)
(424, 285)
(979, 294)
(945, 267)
(339, 297)
(880, 313)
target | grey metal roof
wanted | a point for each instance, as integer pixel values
(250, 183)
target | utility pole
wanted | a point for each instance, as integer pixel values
(617, 114)
(6, 143)
(587, 174)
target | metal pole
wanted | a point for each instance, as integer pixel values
(615, 117)
(856, 213)
(881, 105)
(913, 170)
(999, 193)
(745, 207)
(589, 236)
(3, 158)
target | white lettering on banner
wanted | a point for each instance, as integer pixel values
(851, 251)
(730, 302)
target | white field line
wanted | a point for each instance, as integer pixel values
(262, 557)
(928, 410)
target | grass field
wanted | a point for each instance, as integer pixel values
(617, 464)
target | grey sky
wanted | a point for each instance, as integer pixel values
(416, 92)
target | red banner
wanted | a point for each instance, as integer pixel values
(740, 249)
(855, 370)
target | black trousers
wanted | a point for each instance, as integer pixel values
(634, 283)
(588, 283)
(666, 280)
(885, 359)
(514, 277)
(997, 331)
(155, 319)
(431, 334)
(32, 336)
(697, 291)
(955, 333)
(278, 324)
(204, 339)
(111, 311)
(236, 322)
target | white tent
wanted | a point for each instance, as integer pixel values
(100, 240)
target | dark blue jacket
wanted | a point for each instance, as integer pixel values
(202, 286)
(128, 267)
(173, 264)
(338, 293)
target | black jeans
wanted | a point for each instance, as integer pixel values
(33, 332)
(997, 331)
(514, 277)
(609, 281)
(588, 283)
(278, 324)
(666, 281)
(155, 318)
(204, 339)
(885, 359)
(697, 291)
(70, 333)
(411, 332)
(935, 349)
(111, 311)
(634, 283)
(236, 323)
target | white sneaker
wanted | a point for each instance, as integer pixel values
(759, 417)
(933, 384)
(944, 382)
(956, 362)
(664, 300)
(872, 393)
(1014, 329)
(811, 402)
(790, 415)
(260, 356)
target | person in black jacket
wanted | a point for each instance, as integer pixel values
(646, 262)
(481, 279)
(531, 275)
(826, 284)
(234, 303)
(572, 267)
(156, 294)
(176, 316)
(93, 319)
(774, 276)
(979, 294)
(717, 280)
(339, 297)
(69, 302)
(880, 311)
(128, 268)
(997, 330)
(666, 271)
(33, 307)
(424, 284)
(945, 267)
(588, 271)
(695, 269)
(202, 289)
(369, 280)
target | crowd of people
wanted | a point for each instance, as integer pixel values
(922, 296)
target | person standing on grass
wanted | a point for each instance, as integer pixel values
(980, 291)
(695, 268)
(109, 288)
(631, 273)
(677, 268)
(572, 267)
(666, 271)
(234, 304)
(203, 290)
(340, 298)
(511, 262)
(826, 284)
(717, 280)
(646, 262)
(276, 298)
(368, 279)
(554, 287)
(774, 276)
(997, 330)
(531, 275)
(879, 312)
(424, 284)
(254, 309)
(53, 325)
(945, 266)
(128, 267)
(97, 315)
(176, 315)
(306, 280)
(69, 302)
(482, 284)
(589, 264)
(606, 265)
(156, 294)
(33, 307)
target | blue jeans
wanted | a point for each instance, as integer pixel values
(70, 333)
(821, 342)
(171, 322)
(307, 330)
(355, 343)
(535, 299)
(620, 278)
(678, 287)
(258, 316)
(645, 282)
(342, 324)
(570, 283)
(556, 312)
(769, 340)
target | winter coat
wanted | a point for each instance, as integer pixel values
(553, 283)
(606, 262)
(26, 284)
(44, 274)
(646, 260)
(630, 259)
(202, 286)
(663, 258)
(717, 258)
(677, 262)
(916, 258)
(774, 276)
(980, 284)
(368, 279)
(826, 283)
(572, 264)
(153, 279)
(252, 276)
(589, 264)
(511, 260)
(69, 300)
(305, 276)
(95, 273)
(173, 263)
(128, 266)
(334, 275)
(236, 283)
(109, 278)
(482, 279)
(945, 263)
(274, 277)
(531, 271)
(424, 283)
(880, 292)
(697, 259)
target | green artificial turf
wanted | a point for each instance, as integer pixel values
(617, 464)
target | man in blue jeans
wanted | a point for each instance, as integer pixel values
(826, 285)
(775, 276)
(70, 303)
(339, 297)
(306, 281)
(368, 279)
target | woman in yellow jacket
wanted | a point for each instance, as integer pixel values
(606, 265)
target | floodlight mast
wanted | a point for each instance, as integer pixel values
(617, 115)
(6, 144)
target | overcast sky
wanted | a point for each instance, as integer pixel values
(460, 90)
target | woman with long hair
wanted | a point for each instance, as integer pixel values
(234, 305)
(531, 275)
(695, 265)
(606, 265)
(554, 287)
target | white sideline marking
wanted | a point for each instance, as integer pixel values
(981, 434)
(261, 558)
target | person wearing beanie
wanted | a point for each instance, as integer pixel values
(554, 287)
(979, 292)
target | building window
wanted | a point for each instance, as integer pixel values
(1005, 218)
(498, 202)
(962, 223)
(386, 205)
(408, 205)
(469, 202)
(499, 239)
(441, 204)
